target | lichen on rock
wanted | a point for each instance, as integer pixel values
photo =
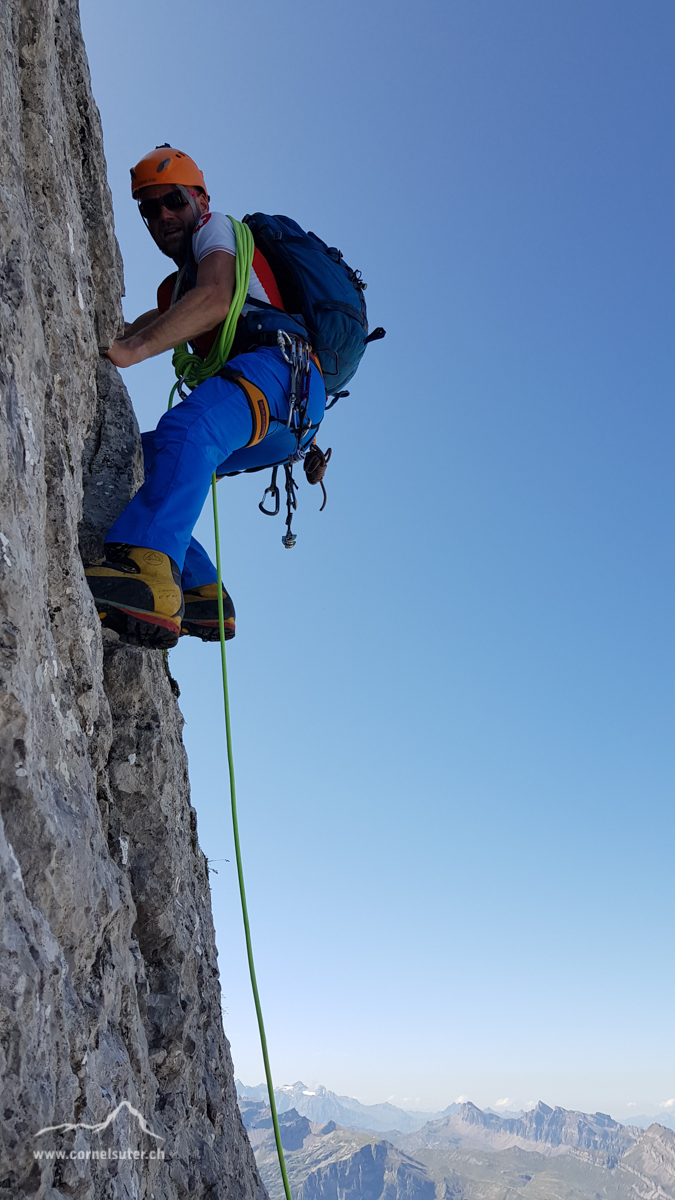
(109, 988)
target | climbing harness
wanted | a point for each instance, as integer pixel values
(257, 402)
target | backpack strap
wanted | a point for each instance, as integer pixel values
(257, 402)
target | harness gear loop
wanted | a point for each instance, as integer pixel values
(272, 491)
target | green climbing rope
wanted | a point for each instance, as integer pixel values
(193, 370)
(237, 851)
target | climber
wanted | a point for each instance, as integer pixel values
(157, 581)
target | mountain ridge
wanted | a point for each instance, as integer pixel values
(320, 1104)
(469, 1155)
(551, 1130)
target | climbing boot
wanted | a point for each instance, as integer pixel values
(201, 613)
(137, 593)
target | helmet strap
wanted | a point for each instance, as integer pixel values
(196, 211)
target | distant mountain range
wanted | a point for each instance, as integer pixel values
(468, 1154)
(663, 1118)
(322, 1105)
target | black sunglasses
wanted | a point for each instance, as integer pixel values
(150, 209)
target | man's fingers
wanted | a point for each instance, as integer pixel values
(120, 355)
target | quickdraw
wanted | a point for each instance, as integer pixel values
(289, 539)
(297, 353)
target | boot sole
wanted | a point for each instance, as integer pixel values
(208, 631)
(138, 628)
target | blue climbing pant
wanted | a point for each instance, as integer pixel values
(208, 432)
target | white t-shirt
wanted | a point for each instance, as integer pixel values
(215, 231)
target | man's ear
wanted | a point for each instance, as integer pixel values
(202, 200)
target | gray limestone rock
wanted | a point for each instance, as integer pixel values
(109, 990)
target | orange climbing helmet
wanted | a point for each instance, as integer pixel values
(165, 165)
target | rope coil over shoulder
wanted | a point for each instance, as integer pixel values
(192, 369)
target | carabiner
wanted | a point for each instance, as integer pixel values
(272, 491)
(283, 340)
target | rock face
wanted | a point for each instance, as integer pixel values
(109, 991)
(651, 1163)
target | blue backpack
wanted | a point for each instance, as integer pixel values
(316, 283)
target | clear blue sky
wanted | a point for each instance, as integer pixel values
(453, 700)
